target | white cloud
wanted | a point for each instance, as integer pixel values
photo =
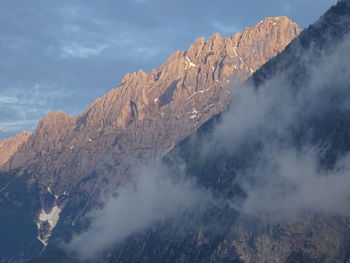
(22, 108)
(17, 125)
(8, 99)
(153, 197)
(298, 164)
(75, 50)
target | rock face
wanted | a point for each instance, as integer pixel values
(165, 105)
(321, 121)
(72, 159)
(150, 113)
(9, 147)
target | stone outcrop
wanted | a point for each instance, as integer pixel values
(71, 160)
(9, 147)
(223, 233)
(307, 236)
(150, 112)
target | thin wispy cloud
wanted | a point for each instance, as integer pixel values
(299, 162)
(75, 50)
(21, 108)
(151, 198)
(86, 47)
(15, 126)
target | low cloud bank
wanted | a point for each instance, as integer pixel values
(151, 198)
(291, 183)
(301, 137)
(299, 165)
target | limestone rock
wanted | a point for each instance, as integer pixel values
(71, 160)
(150, 112)
(10, 146)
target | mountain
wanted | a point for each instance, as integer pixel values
(9, 147)
(57, 173)
(276, 162)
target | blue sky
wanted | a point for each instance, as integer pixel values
(61, 55)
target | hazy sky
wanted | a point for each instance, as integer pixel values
(61, 55)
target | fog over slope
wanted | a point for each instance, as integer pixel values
(60, 170)
(297, 167)
(291, 131)
(152, 197)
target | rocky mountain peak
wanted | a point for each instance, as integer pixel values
(9, 146)
(53, 121)
(215, 62)
(196, 48)
(69, 161)
(55, 126)
(149, 112)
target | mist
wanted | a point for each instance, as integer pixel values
(297, 128)
(300, 133)
(152, 197)
(291, 184)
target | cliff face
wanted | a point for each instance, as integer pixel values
(313, 70)
(316, 77)
(210, 64)
(149, 113)
(70, 160)
(9, 147)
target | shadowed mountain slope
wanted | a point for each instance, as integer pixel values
(63, 167)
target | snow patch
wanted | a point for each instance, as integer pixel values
(193, 94)
(235, 51)
(50, 191)
(51, 218)
(194, 114)
(197, 92)
(189, 63)
(208, 107)
(202, 91)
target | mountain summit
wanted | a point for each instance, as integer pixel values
(156, 109)
(278, 159)
(68, 161)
